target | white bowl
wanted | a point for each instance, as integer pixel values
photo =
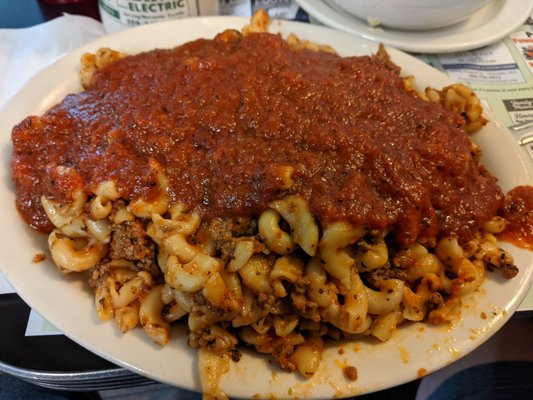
(411, 14)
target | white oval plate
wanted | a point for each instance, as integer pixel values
(486, 26)
(67, 302)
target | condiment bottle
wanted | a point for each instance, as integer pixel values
(118, 15)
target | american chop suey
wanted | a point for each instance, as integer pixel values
(265, 191)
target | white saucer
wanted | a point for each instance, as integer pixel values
(488, 25)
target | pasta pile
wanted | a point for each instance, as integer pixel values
(281, 283)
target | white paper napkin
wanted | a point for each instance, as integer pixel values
(24, 52)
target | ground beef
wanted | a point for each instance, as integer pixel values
(376, 276)
(350, 372)
(508, 270)
(130, 242)
(224, 233)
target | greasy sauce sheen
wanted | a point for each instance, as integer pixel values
(518, 212)
(225, 116)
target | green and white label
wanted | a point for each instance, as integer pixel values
(128, 13)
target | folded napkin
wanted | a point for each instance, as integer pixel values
(24, 52)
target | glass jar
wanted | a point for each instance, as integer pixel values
(118, 15)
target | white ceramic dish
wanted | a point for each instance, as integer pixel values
(411, 14)
(67, 302)
(486, 26)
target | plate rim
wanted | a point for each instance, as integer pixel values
(138, 337)
(331, 16)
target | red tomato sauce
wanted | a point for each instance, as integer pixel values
(222, 116)
(518, 212)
